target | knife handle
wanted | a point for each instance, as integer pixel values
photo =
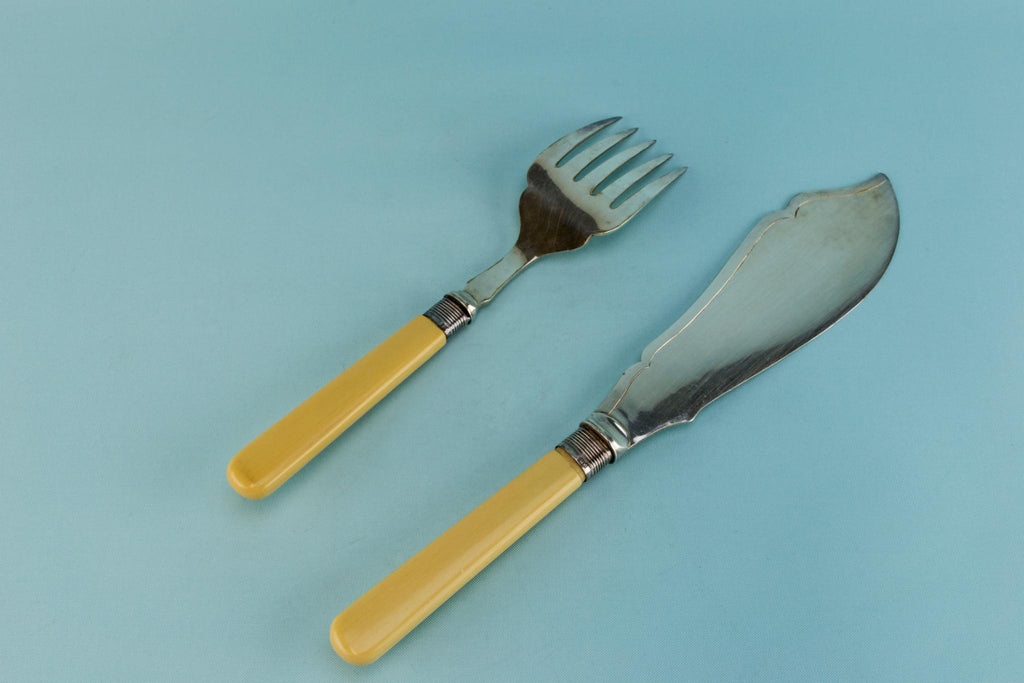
(371, 625)
(281, 451)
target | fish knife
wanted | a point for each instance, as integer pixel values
(798, 271)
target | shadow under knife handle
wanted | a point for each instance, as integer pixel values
(281, 451)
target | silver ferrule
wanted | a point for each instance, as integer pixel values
(449, 315)
(590, 451)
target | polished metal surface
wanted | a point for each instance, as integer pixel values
(561, 208)
(449, 315)
(797, 272)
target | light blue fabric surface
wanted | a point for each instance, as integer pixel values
(207, 210)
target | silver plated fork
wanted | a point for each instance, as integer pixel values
(574, 191)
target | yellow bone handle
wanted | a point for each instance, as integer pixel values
(387, 612)
(281, 451)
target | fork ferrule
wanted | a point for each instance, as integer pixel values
(449, 314)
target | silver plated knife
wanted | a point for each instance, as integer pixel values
(797, 272)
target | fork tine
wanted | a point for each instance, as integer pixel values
(648, 192)
(602, 172)
(628, 180)
(591, 152)
(557, 150)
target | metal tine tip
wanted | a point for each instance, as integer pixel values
(616, 189)
(558, 149)
(592, 151)
(614, 163)
(648, 192)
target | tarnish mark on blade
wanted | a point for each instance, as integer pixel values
(551, 222)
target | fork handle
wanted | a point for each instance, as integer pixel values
(371, 625)
(281, 451)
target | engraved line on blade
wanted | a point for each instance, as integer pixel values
(739, 265)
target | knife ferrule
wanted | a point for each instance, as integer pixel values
(589, 449)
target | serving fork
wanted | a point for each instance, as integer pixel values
(574, 191)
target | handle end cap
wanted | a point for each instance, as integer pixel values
(345, 649)
(245, 485)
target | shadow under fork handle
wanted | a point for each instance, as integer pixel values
(386, 613)
(281, 451)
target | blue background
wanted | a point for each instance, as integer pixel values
(207, 210)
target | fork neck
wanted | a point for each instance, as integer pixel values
(458, 309)
(481, 289)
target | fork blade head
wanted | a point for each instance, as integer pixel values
(614, 163)
(645, 194)
(559, 148)
(798, 271)
(560, 209)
